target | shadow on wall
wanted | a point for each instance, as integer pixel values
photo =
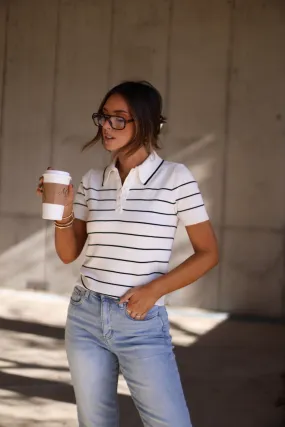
(33, 264)
(201, 155)
(230, 373)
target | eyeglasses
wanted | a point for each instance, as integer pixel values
(116, 122)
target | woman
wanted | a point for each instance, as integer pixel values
(129, 212)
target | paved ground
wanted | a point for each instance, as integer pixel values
(230, 367)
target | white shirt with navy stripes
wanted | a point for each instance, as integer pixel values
(131, 226)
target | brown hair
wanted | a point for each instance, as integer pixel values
(145, 103)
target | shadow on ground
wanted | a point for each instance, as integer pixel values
(231, 375)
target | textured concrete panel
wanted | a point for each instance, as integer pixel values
(140, 41)
(28, 101)
(22, 253)
(255, 167)
(196, 116)
(3, 19)
(81, 82)
(60, 277)
(252, 272)
(197, 97)
(7, 233)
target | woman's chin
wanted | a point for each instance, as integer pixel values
(111, 145)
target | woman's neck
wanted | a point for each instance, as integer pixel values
(126, 163)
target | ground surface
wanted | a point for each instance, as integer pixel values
(230, 367)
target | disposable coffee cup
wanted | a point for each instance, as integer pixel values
(55, 192)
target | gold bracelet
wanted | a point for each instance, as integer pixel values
(72, 219)
(62, 227)
(67, 217)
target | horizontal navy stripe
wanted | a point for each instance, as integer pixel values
(81, 204)
(159, 213)
(189, 209)
(185, 183)
(162, 188)
(129, 247)
(100, 189)
(190, 195)
(106, 283)
(102, 210)
(82, 194)
(126, 260)
(130, 234)
(154, 189)
(132, 222)
(150, 200)
(102, 200)
(140, 189)
(120, 272)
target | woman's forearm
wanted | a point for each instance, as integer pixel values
(66, 244)
(186, 273)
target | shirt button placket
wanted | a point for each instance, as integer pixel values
(119, 201)
(123, 193)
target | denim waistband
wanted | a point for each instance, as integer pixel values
(86, 292)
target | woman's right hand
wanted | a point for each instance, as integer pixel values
(69, 200)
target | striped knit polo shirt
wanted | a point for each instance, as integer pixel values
(131, 226)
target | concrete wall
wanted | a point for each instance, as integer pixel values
(220, 66)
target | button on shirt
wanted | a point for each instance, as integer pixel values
(131, 226)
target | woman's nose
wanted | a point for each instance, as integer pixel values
(107, 125)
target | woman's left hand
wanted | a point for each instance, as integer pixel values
(140, 300)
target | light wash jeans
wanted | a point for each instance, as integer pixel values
(101, 339)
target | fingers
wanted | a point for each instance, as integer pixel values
(40, 186)
(39, 190)
(135, 315)
(127, 296)
(140, 316)
(70, 195)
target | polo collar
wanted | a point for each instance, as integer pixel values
(145, 171)
(107, 172)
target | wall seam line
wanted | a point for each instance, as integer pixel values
(110, 47)
(53, 119)
(3, 83)
(168, 57)
(228, 103)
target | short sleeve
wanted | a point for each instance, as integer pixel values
(80, 206)
(190, 206)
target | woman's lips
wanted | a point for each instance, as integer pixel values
(108, 137)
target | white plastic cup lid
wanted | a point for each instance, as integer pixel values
(56, 172)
